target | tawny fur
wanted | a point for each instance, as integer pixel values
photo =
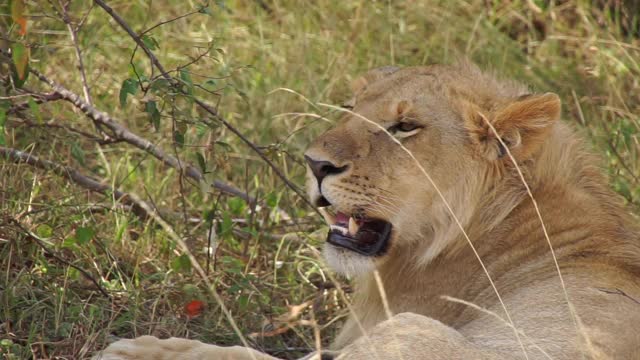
(595, 240)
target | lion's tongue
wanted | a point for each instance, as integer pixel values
(342, 218)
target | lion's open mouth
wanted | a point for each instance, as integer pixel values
(366, 236)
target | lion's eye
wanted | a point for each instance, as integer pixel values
(406, 127)
(402, 130)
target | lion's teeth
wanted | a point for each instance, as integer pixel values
(353, 226)
(330, 219)
(342, 230)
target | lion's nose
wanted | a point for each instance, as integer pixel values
(323, 168)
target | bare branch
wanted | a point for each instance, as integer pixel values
(122, 133)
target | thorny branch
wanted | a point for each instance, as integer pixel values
(174, 82)
(74, 38)
(38, 99)
(70, 129)
(137, 39)
(154, 60)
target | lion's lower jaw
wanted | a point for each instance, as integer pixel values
(347, 262)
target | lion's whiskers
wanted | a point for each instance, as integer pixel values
(385, 209)
(391, 201)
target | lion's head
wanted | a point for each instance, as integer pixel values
(365, 169)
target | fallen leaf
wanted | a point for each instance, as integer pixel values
(23, 26)
(194, 308)
(17, 11)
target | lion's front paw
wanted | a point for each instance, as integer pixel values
(148, 347)
(152, 348)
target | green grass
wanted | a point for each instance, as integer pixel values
(587, 54)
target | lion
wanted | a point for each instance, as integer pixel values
(474, 223)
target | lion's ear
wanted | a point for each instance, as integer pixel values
(360, 84)
(522, 124)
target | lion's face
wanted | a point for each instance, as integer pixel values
(378, 199)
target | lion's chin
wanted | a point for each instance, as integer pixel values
(347, 262)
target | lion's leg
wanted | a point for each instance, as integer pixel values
(411, 337)
(152, 348)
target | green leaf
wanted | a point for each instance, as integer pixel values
(129, 86)
(243, 301)
(226, 225)
(226, 146)
(35, 110)
(70, 242)
(180, 129)
(154, 115)
(272, 200)
(191, 291)
(222, 5)
(77, 153)
(236, 205)
(20, 55)
(150, 42)
(232, 265)
(201, 162)
(44, 231)
(209, 215)
(120, 232)
(6, 342)
(178, 137)
(136, 71)
(205, 9)
(210, 85)
(159, 85)
(243, 95)
(181, 263)
(186, 79)
(84, 234)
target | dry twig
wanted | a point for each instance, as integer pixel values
(76, 177)
(56, 256)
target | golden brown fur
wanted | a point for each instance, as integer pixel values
(596, 244)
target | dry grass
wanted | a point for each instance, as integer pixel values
(587, 55)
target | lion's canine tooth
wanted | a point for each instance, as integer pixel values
(353, 226)
(330, 219)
